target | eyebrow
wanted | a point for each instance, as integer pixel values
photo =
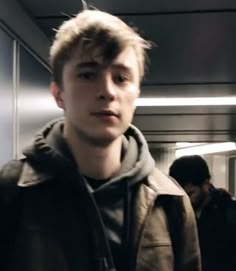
(90, 64)
(122, 67)
(96, 64)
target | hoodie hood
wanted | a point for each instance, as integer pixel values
(50, 150)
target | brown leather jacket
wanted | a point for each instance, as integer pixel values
(164, 236)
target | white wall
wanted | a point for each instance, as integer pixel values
(14, 16)
(218, 165)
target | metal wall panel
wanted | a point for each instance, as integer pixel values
(191, 48)
(6, 97)
(193, 124)
(35, 103)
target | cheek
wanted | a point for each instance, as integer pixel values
(197, 197)
(131, 98)
(129, 107)
(193, 197)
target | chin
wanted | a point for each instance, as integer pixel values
(101, 135)
(102, 138)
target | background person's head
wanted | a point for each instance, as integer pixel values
(192, 173)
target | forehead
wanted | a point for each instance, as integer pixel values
(126, 58)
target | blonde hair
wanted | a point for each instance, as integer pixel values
(95, 32)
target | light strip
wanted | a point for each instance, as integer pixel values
(230, 100)
(206, 148)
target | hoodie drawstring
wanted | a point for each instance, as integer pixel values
(105, 260)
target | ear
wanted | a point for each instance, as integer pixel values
(206, 185)
(57, 93)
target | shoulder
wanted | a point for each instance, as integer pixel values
(9, 175)
(231, 211)
(10, 171)
(170, 195)
(163, 184)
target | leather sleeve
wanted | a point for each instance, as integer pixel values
(189, 258)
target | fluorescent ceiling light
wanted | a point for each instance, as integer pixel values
(206, 148)
(179, 145)
(186, 101)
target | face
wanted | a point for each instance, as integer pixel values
(98, 99)
(197, 194)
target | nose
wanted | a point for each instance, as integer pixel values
(106, 89)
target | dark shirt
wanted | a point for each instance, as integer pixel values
(114, 228)
(217, 232)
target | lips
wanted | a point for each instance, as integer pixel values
(106, 112)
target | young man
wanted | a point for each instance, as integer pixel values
(90, 195)
(215, 211)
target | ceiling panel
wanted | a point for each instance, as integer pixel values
(55, 7)
(141, 6)
(194, 48)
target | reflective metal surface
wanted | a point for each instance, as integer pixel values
(35, 103)
(6, 97)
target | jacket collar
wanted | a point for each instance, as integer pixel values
(163, 185)
(30, 177)
(157, 181)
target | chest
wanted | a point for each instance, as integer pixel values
(52, 234)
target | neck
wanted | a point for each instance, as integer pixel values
(199, 210)
(95, 160)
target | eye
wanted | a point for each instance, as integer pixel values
(121, 78)
(88, 75)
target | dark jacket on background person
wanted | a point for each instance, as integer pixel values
(138, 220)
(217, 232)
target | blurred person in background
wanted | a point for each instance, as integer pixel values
(215, 211)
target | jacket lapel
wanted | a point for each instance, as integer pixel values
(156, 184)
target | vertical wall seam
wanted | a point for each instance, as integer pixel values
(15, 98)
